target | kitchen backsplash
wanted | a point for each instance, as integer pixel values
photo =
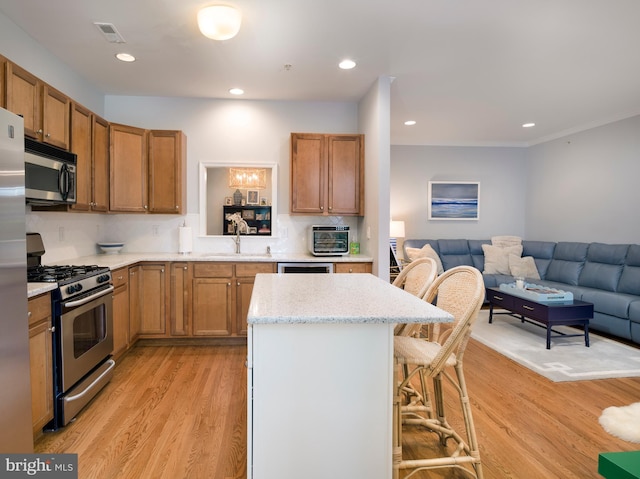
(70, 235)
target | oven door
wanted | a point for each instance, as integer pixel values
(86, 336)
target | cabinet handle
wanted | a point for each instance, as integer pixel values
(322, 208)
(184, 268)
(39, 132)
(28, 314)
(238, 283)
(120, 277)
(528, 308)
(228, 284)
(498, 298)
(330, 208)
(146, 207)
(162, 270)
(350, 270)
(52, 329)
(48, 135)
(132, 273)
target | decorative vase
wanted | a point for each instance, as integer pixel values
(237, 198)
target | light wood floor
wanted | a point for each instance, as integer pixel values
(180, 412)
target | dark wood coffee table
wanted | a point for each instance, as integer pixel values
(548, 314)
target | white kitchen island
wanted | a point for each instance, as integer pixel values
(320, 377)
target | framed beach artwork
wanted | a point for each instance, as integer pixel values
(454, 200)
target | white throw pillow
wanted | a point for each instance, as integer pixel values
(425, 252)
(504, 241)
(525, 267)
(496, 260)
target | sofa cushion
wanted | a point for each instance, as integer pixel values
(603, 267)
(504, 241)
(496, 259)
(523, 266)
(630, 278)
(477, 255)
(426, 251)
(417, 243)
(567, 263)
(542, 252)
(454, 252)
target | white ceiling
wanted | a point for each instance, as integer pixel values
(470, 72)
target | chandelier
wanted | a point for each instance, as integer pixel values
(248, 178)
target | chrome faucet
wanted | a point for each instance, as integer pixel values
(237, 239)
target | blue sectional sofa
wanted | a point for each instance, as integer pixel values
(607, 275)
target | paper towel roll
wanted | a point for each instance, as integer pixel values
(185, 239)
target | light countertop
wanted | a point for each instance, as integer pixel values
(336, 298)
(122, 260)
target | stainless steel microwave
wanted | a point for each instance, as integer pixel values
(49, 175)
(325, 240)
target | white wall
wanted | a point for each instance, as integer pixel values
(584, 187)
(374, 114)
(500, 171)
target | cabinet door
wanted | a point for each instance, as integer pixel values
(3, 82)
(308, 173)
(135, 301)
(345, 183)
(166, 171)
(81, 122)
(212, 306)
(179, 299)
(128, 169)
(23, 98)
(245, 278)
(55, 117)
(120, 279)
(40, 362)
(152, 299)
(100, 165)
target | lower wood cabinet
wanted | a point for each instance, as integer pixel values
(352, 268)
(179, 309)
(121, 342)
(41, 361)
(147, 300)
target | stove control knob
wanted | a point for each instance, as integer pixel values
(102, 278)
(71, 289)
(78, 287)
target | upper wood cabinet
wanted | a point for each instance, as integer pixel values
(148, 170)
(327, 174)
(100, 165)
(44, 109)
(128, 169)
(167, 171)
(3, 82)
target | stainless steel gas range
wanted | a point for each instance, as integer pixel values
(82, 312)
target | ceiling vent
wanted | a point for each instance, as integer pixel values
(110, 33)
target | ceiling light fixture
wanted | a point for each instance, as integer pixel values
(528, 125)
(219, 22)
(236, 91)
(347, 64)
(125, 57)
(410, 122)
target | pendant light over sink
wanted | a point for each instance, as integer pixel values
(219, 22)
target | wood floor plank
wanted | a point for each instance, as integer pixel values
(179, 412)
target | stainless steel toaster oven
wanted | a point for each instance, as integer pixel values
(326, 240)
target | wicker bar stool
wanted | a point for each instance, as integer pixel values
(415, 278)
(459, 291)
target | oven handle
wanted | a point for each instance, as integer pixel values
(111, 364)
(82, 301)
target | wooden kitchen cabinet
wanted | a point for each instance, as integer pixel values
(180, 294)
(90, 142)
(135, 302)
(167, 171)
(221, 296)
(45, 110)
(352, 267)
(128, 169)
(327, 174)
(41, 361)
(3, 82)
(212, 299)
(152, 297)
(120, 279)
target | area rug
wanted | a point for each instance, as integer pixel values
(567, 360)
(622, 422)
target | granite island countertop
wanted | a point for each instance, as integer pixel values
(336, 298)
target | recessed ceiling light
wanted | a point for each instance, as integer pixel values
(236, 91)
(347, 64)
(528, 125)
(125, 57)
(410, 122)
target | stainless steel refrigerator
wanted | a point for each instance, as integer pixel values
(15, 387)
